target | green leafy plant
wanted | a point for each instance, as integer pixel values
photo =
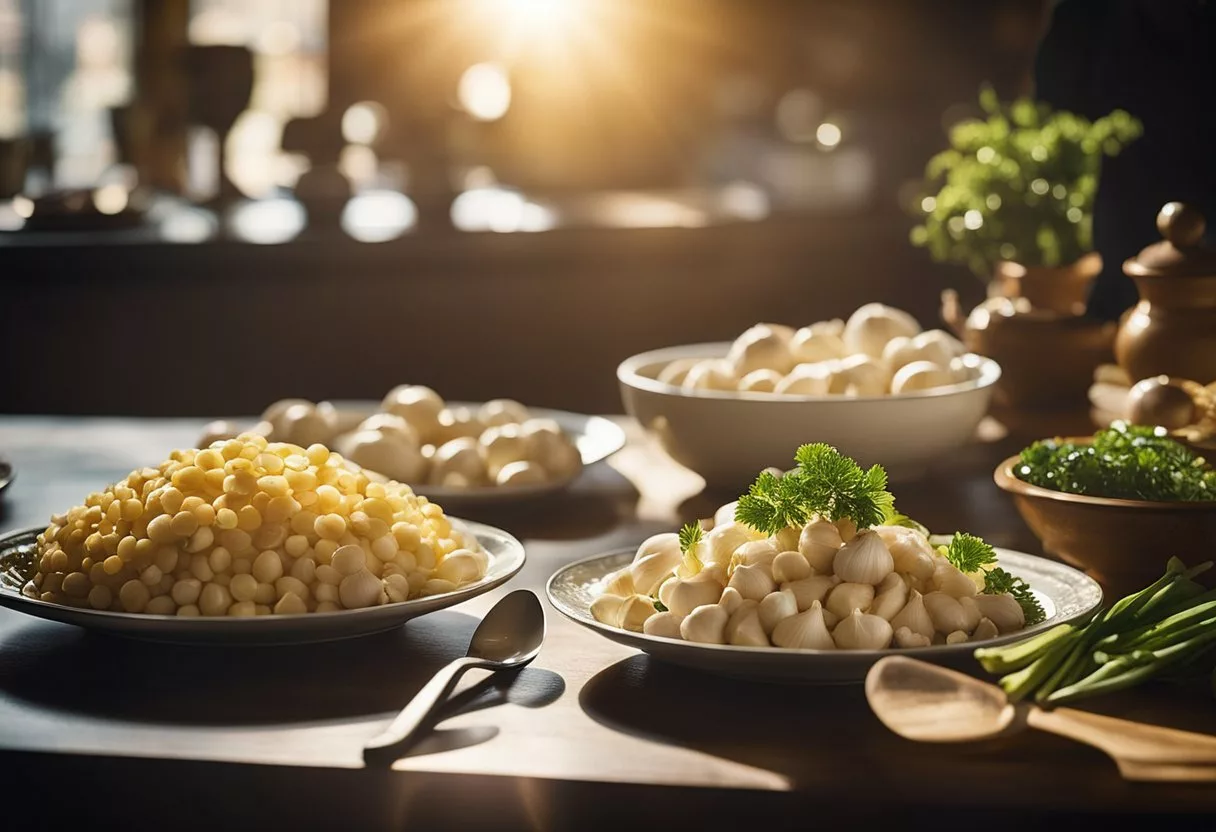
(1018, 185)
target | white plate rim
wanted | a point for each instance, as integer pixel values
(791, 656)
(506, 564)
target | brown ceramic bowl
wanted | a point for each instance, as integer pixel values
(1123, 544)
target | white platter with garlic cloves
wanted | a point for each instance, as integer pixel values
(812, 576)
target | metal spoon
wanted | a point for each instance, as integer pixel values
(921, 701)
(508, 637)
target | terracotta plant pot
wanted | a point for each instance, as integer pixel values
(1122, 544)
(1060, 289)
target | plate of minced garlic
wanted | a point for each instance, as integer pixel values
(812, 576)
(252, 542)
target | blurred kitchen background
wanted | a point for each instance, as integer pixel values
(208, 205)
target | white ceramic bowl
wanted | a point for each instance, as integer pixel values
(728, 437)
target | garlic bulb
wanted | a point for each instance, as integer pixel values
(984, 630)
(863, 560)
(754, 553)
(606, 609)
(744, 629)
(804, 631)
(752, 581)
(761, 347)
(914, 616)
(920, 375)
(807, 379)
(711, 374)
(945, 612)
(760, 381)
(619, 582)
(664, 624)
(720, 542)
(860, 631)
(682, 595)
(1003, 610)
(948, 579)
(731, 600)
(705, 624)
(910, 550)
(872, 325)
(776, 607)
(818, 543)
(957, 637)
(786, 539)
(674, 372)
(790, 566)
(809, 590)
(634, 612)
(892, 595)
(971, 612)
(847, 597)
(818, 342)
(906, 638)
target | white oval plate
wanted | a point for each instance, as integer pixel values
(1065, 594)
(507, 558)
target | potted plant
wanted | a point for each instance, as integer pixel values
(1012, 198)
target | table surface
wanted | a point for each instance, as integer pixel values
(591, 732)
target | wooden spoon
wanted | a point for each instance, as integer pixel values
(924, 702)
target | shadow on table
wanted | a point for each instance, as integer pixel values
(809, 734)
(69, 669)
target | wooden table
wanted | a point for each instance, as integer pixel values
(592, 734)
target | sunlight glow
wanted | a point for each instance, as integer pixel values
(485, 92)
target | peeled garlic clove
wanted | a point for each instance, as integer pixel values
(461, 456)
(634, 612)
(898, 352)
(724, 514)
(273, 415)
(503, 412)
(807, 379)
(674, 372)
(920, 375)
(719, 543)
(817, 342)
(938, 346)
(663, 624)
(656, 559)
(683, 595)
(392, 424)
(761, 347)
(418, 405)
(804, 631)
(847, 529)
(848, 597)
(860, 631)
(711, 374)
(891, 597)
(786, 539)
(871, 326)
(503, 444)
(754, 581)
(760, 381)
(906, 638)
(790, 566)
(956, 637)
(306, 424)
(1003, 610)
(731, 600)
(362, 589)
(606, 609)
(743, 627)
(948, 579)
(863, 560)
(705, 624)
(668, 542)
(984, 630)
(944, 610)
(864, 375)
(754, 553)
(776, 607)
(460, 567)
(812, 589)
(914, 616)
(818, 543)
(910, 550)
(520, 473)
(971, 612)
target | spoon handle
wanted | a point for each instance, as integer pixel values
(1142, 751)
(424, 703)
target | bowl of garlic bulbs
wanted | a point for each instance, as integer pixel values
(876, 386)
(813, 576)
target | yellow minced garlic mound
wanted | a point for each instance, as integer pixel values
(250, 527)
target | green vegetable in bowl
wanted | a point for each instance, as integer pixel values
(1167, 629)
(1131, 462)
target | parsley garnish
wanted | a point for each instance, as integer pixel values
(825, 483)
(968, 552)
(690, 536)
(658, 605)
(998, 582)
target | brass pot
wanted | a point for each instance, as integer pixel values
(1060, 289)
